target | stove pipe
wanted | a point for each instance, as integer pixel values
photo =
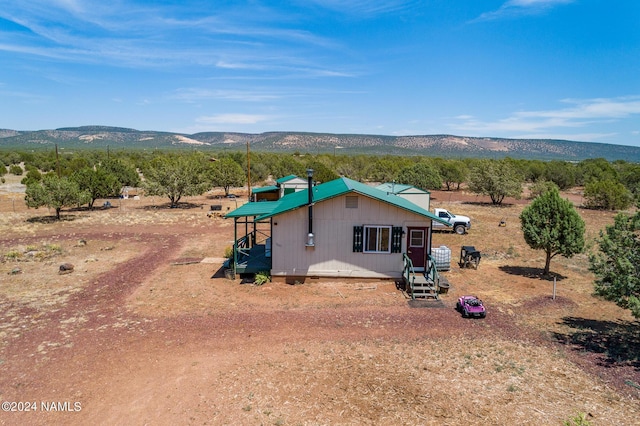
(310, 236)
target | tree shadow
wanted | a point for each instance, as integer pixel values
(167, 205)
(528, 272)
(488, 204)
(46, 220)
(619, 342)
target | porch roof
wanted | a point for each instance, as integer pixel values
(258, 208)
(259, 189)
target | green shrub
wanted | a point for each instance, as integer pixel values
(262, 277)
(15, 169)
(228, 252)
(579, 419)
(55, 248)
(32, 176)
(12, 255)
(541, 186)
(607, 195)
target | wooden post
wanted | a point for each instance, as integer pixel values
(248, 175)
(57, 162)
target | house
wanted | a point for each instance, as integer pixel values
(338, 229)
(285, 185)
(291, 183)
(265, 193)
(418, 196)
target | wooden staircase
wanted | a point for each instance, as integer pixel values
(422, 285)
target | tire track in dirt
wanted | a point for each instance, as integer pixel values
(91, 318)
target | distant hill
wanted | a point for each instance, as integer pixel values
(448, 146)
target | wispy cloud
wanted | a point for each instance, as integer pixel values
(21, 96)
(136, 35)
(232, 119)
(364, 8)
(196, 95)
(581, 114)
(515, 8)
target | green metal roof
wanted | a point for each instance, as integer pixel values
(332, 189)
(286, 178)
(260, 189)
(253, 209)
(397, 188)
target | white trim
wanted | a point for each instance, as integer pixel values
(422, 232)
(379, 236)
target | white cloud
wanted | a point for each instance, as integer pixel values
(196, 94)
(232, 119)
(582, 114)
(118, 33)
(364, 8)
(513, 8)
(582, 137)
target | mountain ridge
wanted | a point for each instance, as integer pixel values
(98, 137)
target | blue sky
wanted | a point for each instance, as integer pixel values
(567, 69)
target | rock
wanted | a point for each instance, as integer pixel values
(15, 271)
(65, 268)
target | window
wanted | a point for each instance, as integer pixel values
(416, 238)
(377, 239)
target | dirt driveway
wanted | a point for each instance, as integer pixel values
(146, 330)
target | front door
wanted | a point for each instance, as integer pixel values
(417, 247)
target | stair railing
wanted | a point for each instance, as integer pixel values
(432, 272)
(408, 273)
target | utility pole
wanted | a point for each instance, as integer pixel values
(248, 174)
(57, 162)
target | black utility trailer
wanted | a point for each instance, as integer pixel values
(469, 257)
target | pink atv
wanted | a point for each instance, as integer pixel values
(471, 306)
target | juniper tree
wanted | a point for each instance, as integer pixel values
(617, 265)
(175, 176)
(552, 224)
(497, 179)
(55, 192)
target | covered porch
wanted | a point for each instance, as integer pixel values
(252, 239)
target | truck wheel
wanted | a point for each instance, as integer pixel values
(459, 229)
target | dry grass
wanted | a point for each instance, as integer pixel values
(137, 338)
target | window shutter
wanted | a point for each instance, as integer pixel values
(357, 239)
(396, 239)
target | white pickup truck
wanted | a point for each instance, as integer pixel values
(459, 224)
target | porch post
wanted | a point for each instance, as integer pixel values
(235, 244)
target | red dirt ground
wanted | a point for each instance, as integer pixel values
(135, 335)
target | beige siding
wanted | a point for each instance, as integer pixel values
(419, 199)
(332, 255)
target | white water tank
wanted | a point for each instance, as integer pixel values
(442, 257)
